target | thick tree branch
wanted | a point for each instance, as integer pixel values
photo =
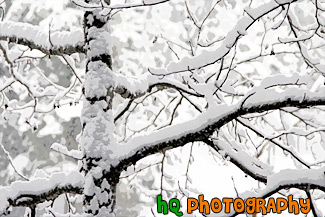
(205, 124)
(30, 193)
(58, 43)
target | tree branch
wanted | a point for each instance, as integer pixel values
(33, 192)
(134, 88)
(248, 164)
(205, 124)
(211, 57)
(107, 9)
(301, 179)
(290, 150)
(34, 37)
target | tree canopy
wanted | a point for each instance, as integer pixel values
(107, 104)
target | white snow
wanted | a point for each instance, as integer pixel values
(234, 150)
(40, 36)
(209, 117)
(38, 186)
(210, 57)
(141, 84)
(289, 176)
(284, 179)
(302, 37)
(111, 7)
(62, 149)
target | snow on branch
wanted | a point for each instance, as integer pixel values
(210, 57)
(290, 178)
(56, 43)
(315, 178)
(11, 161)
(38, 190)
(137, 87)
(248, 164)
(76, 154)
(107, 9)
(205, 124)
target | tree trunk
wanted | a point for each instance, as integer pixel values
(97, 121)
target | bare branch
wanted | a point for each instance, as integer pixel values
(107, 9)
(211, 57)
(11, 163)
(143, 3)
(288, 149)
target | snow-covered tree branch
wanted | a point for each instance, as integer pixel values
(205, 124)
(107, 8)
(55, 43)
(107, 104)
(38, 190)
(300, 179)
(210, 57)
(137, 87)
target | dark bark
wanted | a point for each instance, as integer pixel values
(99, 191)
